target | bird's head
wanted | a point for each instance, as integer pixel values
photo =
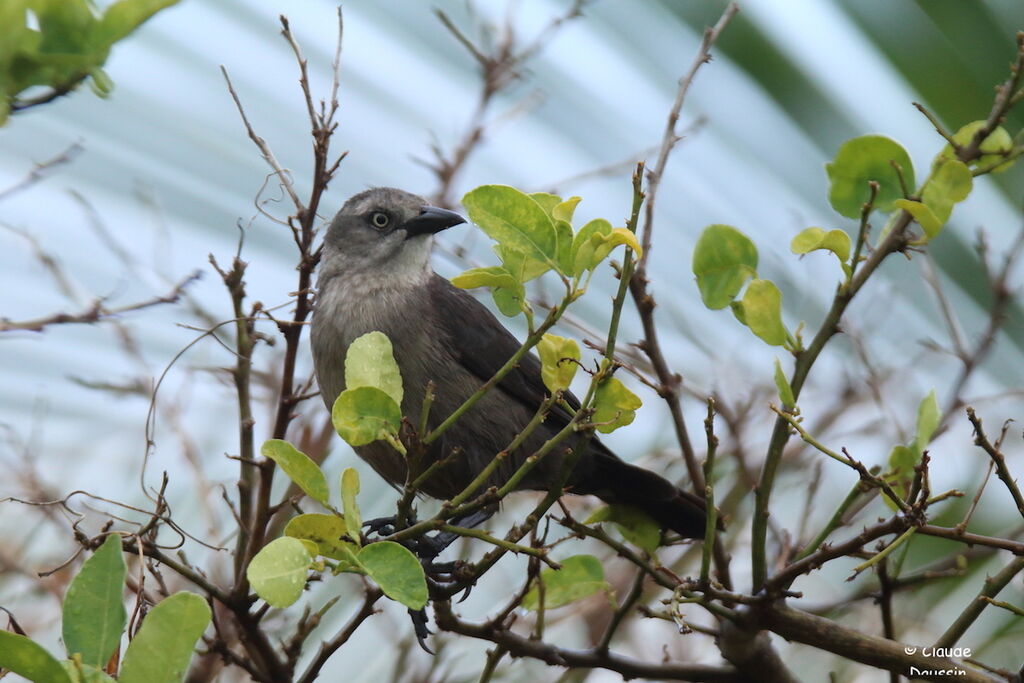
(387, 232)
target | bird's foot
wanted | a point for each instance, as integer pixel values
(420, 622)
(382, 526)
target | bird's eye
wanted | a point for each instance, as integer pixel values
(380, 220)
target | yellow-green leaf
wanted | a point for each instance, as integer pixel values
(349, 492)
(559, 358)
(762, 311)
(635, 525)
(509, 301)
(491, 276)
(810, 239)
(306, 474)
(514, 220)
(547, 201)
(614, 406)
(519, 265)
(564, 211)
(580, 576)
(397, 571)
(364, 415)
(924, 216)
(278, 572)
(782, 384)
(994, 147)
(585, 252)
(370, 362)
(564, 236)
(929, 415)
(950, 183)
(328, 532)
(723, 260)
(860, 161)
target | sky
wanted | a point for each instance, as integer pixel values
(166, 176)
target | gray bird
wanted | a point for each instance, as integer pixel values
(375, 274)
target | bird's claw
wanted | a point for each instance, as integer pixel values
(382, 526)
(419, 625)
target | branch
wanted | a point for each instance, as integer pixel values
(997, 458)
(42, 170)
(98, 312)
(268, 154)
(329, 647)
(890, 655)
(993, 584)
(669, 381)
(594, 658)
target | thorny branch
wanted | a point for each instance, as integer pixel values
(243, 637)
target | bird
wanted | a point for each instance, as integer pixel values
(375, 275)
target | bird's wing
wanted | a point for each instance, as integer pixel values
(482, 345)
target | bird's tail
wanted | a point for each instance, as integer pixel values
(615, 481)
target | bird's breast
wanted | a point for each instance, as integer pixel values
(346, 311)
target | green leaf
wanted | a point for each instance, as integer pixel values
(278, 571)
(349, 493)
(782, 384)
(365, 414)
(100, 82)
(595, 241)
(864, 159)
(522, 267)
(928, 417)
(123, 17)
(163, 647)
(723, 260)
(66, 27)
(951, 182)
(762, 311)
(397, 571)
(83, 673)
(564, 211)
(995, 146)
(93, 613)
(492, 276)
(508, 301)
(583, 250)
(547, 201)
(902, 460)
(306, 474)
(328, 532)
(614, 406)
(924, 216)
(737, 310)
(370, 362)
(514, 220)
(29, 660)
(580, 576)
(635, 525)
(836, 241)
(564, 254)
(557, 356)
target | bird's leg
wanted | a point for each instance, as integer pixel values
(429, 547)
(385, 526)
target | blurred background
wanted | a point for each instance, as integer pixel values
(161, 174)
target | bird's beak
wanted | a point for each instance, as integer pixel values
(431, 220)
